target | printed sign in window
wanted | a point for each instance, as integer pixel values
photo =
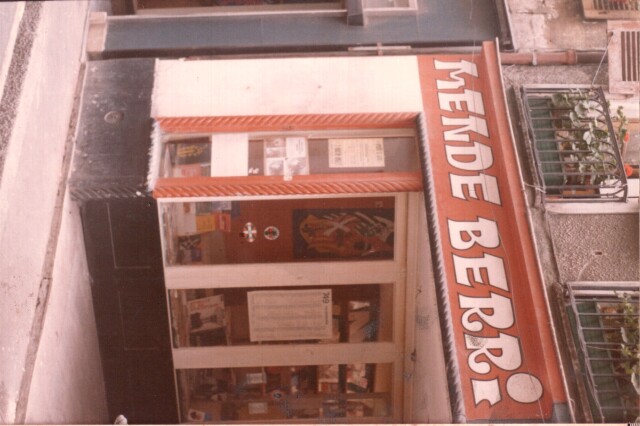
(286, 156)
(280, 315)
(363, 153)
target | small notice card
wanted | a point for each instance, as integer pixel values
(356, 153)
(281, 315)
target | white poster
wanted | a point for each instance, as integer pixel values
(358, 153)
(229, 154)
(280, 315)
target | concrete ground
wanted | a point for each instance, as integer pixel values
(10, 16)
(50, 369)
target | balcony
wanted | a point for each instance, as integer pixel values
(604, 318)
(575, 144)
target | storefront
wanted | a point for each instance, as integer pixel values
(345, 239)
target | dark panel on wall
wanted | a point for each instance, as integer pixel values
(114, 131)
(135, 235)
(148, 398)
(122, 240)
(124, 256)
(122, 237)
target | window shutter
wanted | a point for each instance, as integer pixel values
(611, 9)
(624, 57)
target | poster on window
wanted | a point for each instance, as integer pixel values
(286, 156)
(359, 153)
(281, 315)
(346, 234)
(206, 313)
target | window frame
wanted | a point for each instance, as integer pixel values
(401, 273)
(337, 8)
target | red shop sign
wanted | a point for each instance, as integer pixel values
(504, 344)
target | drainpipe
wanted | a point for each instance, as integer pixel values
(562, 57)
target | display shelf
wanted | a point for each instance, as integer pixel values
(295, 274)
(284, 392)
(221, 317)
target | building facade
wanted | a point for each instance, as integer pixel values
(304, 212)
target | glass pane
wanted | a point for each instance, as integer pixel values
(161, 4)
(287, 155)
(188, 157)
(289, 392)
(383, 4)
(302, 230)
(321, 314)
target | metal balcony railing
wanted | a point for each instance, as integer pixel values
(603, 323)
(575, 149)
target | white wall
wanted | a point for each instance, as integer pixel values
(430, 391)
(286, 86)
(67, 385)
(31, 177)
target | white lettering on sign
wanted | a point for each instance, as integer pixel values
(487, 317)
(488, 187)
(492, 265)
(457, 68)
(501, 316)
(486, 390)
(471, 98)
(463, 235)
(507, 346)
(463, 127)
(473, 158)
(524, 388)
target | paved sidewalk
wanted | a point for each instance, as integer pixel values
(49, 363)
(10, 16)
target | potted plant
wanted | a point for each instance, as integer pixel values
(589, 147)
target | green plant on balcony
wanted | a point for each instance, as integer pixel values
(585, 141)
(630, 345)
(614, 336)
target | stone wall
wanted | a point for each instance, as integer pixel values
(554, 24)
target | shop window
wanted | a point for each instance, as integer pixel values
(168, 4)
(247, 316)
(389, 5)
(288, 154)
(576, 144)
(166, 7)
(285, 162)
(289, 307)
(605, 325)
(286, 258)
(274, 231)
(173, 7)
(338, 392)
